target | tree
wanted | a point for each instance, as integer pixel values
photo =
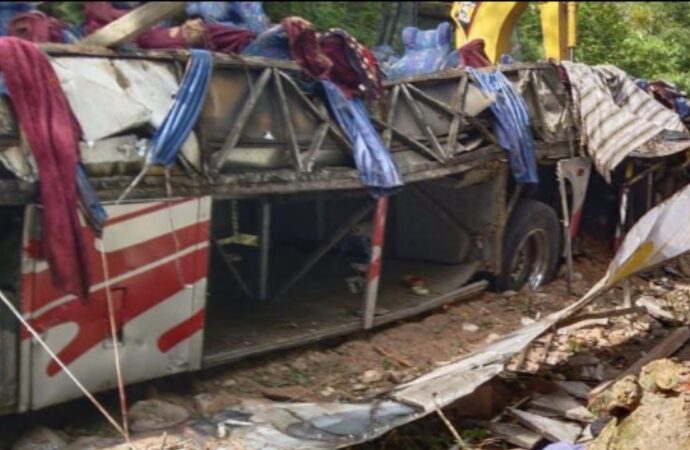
(646, 39)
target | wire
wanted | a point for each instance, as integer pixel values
(113, 332)
(62, 365)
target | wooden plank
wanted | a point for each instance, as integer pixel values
(562, 404)
(133, 23)
(666, 348)
(577, 389)
(607, 314)
(515, 434)
(552, 429)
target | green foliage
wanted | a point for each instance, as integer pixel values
(646, 39)
(361, 19)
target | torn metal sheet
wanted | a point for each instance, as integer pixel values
(137, 93)
(92, 83)
(281, 426)
(20, 162)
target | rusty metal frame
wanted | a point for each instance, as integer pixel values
(302, 161)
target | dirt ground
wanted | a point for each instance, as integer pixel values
(372, 363)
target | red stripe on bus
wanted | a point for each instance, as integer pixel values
(181, 332)
(119, 262)
(139, 294)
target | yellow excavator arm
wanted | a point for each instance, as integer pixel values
(494, 22)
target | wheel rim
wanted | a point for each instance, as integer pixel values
(531, 260)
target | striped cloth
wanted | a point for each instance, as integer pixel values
(618, 119)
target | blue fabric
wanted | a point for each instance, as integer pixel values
(273, 43)
(512, 124)
(425, 51)
(565, 446)
(70, 34)
(682, 107)
(184, 112)
(373, 160)
(93, 208)
(386, 57)
(7, 12)
(249, 15)
(451, 61)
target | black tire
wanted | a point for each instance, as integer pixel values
(531, 247)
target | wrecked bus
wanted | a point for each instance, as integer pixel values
(253, 251)
(262, 236)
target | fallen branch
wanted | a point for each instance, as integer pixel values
(400, 360)
(601, 315)
(666, 348)
(133, 23)
(460, 443)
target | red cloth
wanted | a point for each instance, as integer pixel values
(305, 48)
(36, 26)
(228, 39)
(473, 54)
(355, 68)
(100, 14)
(160, 37)
(53, 135)
(216, 37)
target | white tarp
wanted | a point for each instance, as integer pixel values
(616, 118)
(661, 234)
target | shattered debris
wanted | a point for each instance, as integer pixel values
(650, 410)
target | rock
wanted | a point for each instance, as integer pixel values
(209, 404)
(327, 392)
(92, 443)
(230, 382)
(656, 413)
(40, 438)
(525, 321)
(371, 376)
(470, 327)
(395, 376)
(288, 393)
(358, 387)
(300, 364)
(149, 415)
(509, 294)
(664, 375)
(493, 337)
(618, 337)
(624, 395)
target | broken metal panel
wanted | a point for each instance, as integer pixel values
(99, 98)
(121, 155)
(546, 101)
(18, 160)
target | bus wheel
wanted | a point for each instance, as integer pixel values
(531, 247)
